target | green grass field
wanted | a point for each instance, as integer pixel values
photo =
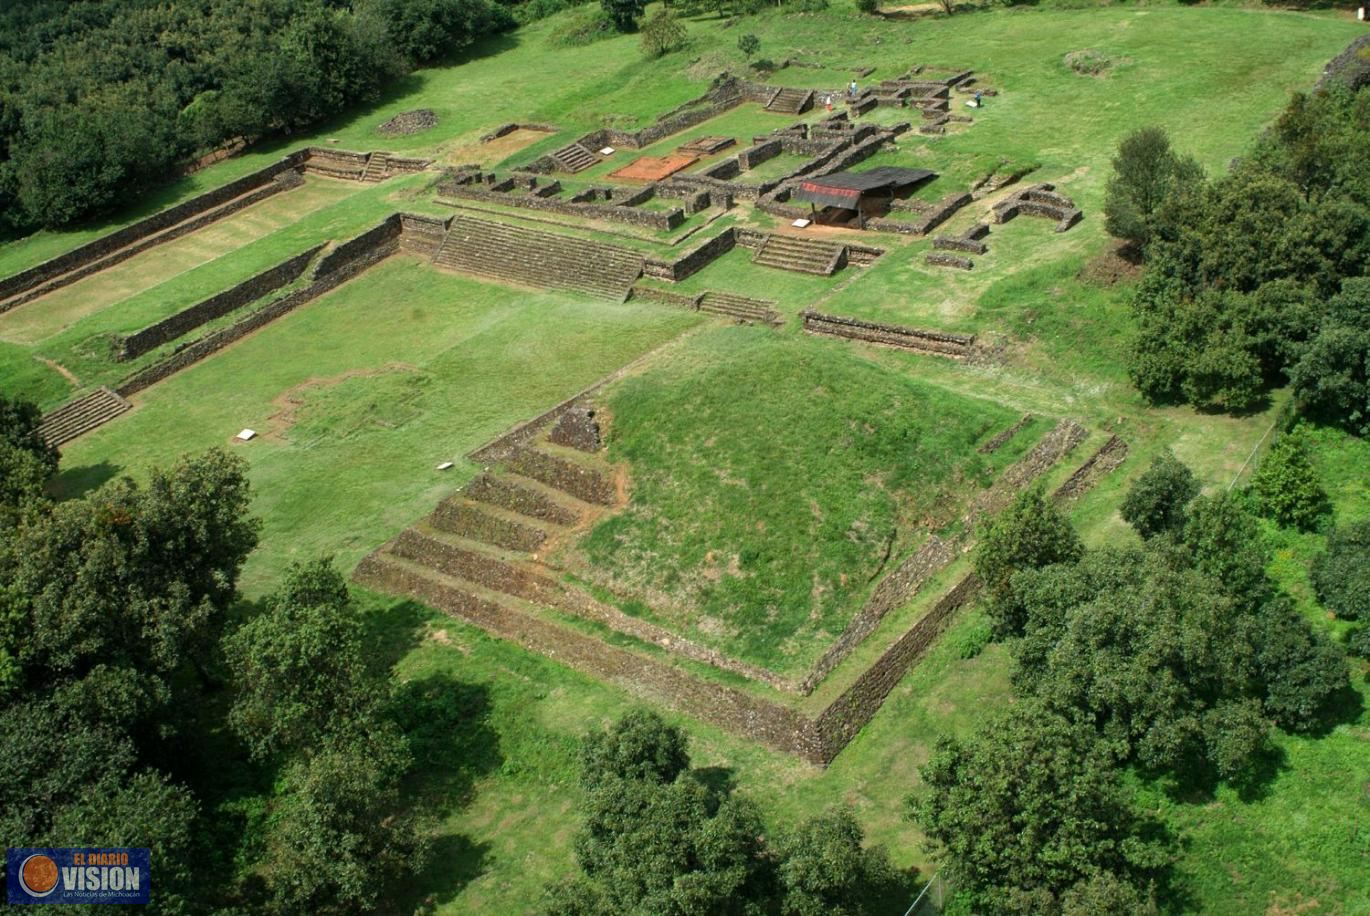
(359, 395)
(773, 479)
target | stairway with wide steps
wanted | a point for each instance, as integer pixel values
(810, 256)
(791, 101)
(530, 257)
(460, 560)
(80, 416)
(574, 157)
(742, 308)
(377, 165)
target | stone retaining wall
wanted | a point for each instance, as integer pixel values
(331, 272)
(918, 340)
(753, 156)
(858, 704)
(1002, 438)
(423, 235)
(497, 491)
(666, 297)
(941, 259)
(692, 261)
(470, 187)
(585, 484)
(109, 250)
(465, 520)
(938, 214)
(891, 592)
(741, 713)
(216, 306)
(1111, 454)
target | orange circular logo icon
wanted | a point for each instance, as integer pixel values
(38, 875)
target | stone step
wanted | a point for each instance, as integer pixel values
(487, 524)
(515, 254)
(584, 483)
(377, 165)
(802, 255)
(516, 493)
(790, 101)
(80, 416)
(734, 306)
(575, 158)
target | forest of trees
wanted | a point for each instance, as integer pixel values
(1172, 656)
(139, 693)
(102, 99)
(1256, 278)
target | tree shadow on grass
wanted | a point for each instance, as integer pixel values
(72, 483)
(447, 724)
(456, 861)
(392, 627)
(1343, 707)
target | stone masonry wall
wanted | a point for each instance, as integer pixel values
(659, 220)
(331, 272)
(905, 338)
(692, 261)
(770, 723)
(850, 712)
(117, 246)
(216, 306)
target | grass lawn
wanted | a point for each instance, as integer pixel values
(773, 479)
(58, 310)
(359, 394)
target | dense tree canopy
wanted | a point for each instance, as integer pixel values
(300, 668)
(660, 839)
(1029, 534)
(1030, 817)
(101, 99)
(111, 608)
(1243, 273)
(1146, 172)
(1156, 502)
(1177, 653)
(1286, 488)
(1341, 574)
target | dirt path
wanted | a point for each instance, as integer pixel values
(288, 403)
(60, 369)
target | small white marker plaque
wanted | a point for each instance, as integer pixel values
(246, 435)
(445, 465)
(607, 151)
(801, 223)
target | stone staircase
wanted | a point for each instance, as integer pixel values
(809, 256)
(574, 157)
(546, 260)
(741, 308)
(476, 557)
(80, 416)
(791, 101)
(377, 167)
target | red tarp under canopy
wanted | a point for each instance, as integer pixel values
(845, 189)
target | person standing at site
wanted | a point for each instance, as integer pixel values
(851, 90)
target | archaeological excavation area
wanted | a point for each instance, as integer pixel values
(603, 401)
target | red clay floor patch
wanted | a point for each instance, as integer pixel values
(655, 168)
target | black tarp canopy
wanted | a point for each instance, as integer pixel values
(845, 189)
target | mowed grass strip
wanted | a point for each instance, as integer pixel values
(359, 394)
(47, 315)
(773, 478)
